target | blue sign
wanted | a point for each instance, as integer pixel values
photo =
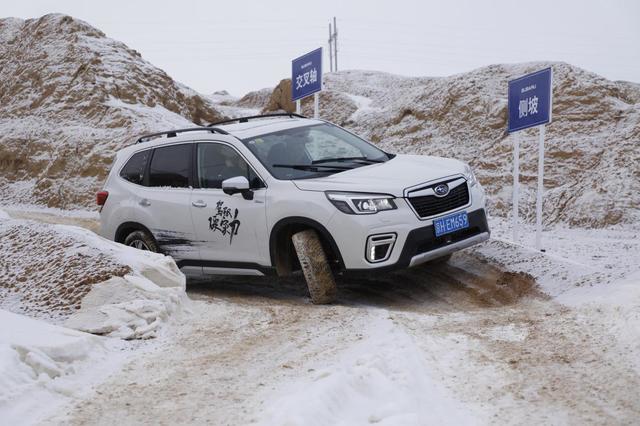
(530, 100)
(306, 74)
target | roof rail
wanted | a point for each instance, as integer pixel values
(252, 117)
(174, 133)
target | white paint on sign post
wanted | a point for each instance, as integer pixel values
(316, 105)
(540, 188)
(516, 185)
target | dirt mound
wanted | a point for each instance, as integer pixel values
(47, 272)
(70, 97)
(256, 99)
(64, 274)
(339, 106)
(592, 167)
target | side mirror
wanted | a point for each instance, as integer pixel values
(237, 184)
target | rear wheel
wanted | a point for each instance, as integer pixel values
(141, 240)
(313, 261)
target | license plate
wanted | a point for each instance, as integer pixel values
(452, 223)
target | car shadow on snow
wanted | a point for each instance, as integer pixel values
(465, 282)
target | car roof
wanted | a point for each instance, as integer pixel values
(242, 130)
(266, 125)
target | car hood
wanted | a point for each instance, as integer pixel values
(391, 177)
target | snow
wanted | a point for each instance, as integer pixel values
(407, 368)
(418, 347)
(383, 379)
(69, 275)
(43, 366)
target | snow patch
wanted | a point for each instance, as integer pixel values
(48, 364)
(129, 307)
(384, 379)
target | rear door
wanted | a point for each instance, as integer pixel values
(165, 201)
(232, 229)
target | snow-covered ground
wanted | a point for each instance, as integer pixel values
(502, 334)
(55, 275)
(43, 366)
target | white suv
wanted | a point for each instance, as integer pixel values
(278, 193)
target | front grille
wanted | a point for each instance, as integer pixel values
(430, 205)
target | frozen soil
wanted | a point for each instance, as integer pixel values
(492, 337)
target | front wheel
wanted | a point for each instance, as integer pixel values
(142, 241)
(313, 261)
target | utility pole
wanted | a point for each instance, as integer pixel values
(330, 49)
(335, 41)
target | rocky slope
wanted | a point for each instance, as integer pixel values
(70, 97)
(592, 165)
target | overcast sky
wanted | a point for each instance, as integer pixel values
(246, 45)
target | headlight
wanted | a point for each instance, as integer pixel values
(468, 174)
(355, 203)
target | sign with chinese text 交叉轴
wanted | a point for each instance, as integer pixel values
(530, 100)
(306, 75)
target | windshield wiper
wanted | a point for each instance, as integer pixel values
(331, 160)
(313, 168)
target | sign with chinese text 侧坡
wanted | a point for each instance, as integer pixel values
(306, 74)
(530, 100)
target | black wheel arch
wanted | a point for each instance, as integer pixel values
(280, 242)
(127, 228)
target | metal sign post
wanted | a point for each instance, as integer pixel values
(516, 185)
(540, 188)
(530, 104)
(306, 78)
(316, 105)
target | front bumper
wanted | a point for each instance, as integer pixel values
(421, 244)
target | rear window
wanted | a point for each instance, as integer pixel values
(133, 171)
(170, 166)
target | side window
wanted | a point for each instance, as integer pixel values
(217, 162)
(170, 166)
(133, 171)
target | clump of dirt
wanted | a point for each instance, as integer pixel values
(45, 273)
(505, 289)
(280, 99)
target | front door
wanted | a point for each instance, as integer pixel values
(231, 230)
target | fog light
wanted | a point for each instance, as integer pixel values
(379, 247)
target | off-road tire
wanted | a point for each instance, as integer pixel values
(141, 240)
(313, 261)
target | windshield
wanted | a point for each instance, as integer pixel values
(312, 151)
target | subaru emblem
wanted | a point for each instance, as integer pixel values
(441, 190)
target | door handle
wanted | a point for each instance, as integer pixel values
(144, 202)
(199, 204)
